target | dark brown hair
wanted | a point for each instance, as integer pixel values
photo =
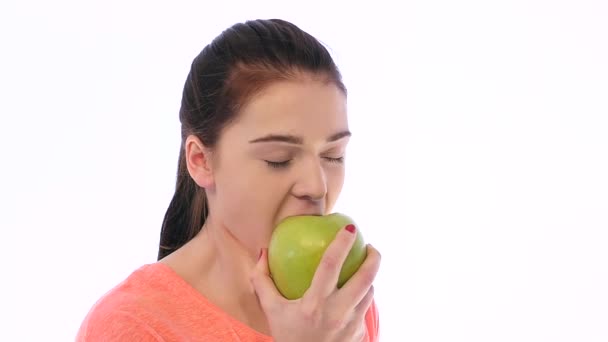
(230, 70)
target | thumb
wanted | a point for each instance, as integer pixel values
(263, 285)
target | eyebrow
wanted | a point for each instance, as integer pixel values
(296, 140)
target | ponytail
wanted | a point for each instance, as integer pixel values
(186, 213)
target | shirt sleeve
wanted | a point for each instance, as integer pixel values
(372, 321)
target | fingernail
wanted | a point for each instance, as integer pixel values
(351, 228)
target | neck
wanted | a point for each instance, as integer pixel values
(219, 266)
(226, 258)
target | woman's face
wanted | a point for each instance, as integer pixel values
(282, 156)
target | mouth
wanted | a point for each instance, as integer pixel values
(310, 211)
(305, 213)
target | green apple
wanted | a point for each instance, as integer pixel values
(297, 246)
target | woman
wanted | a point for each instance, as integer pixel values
(264, 133)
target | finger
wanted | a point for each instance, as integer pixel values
(263, 285)
(355, 332)
(361, 309)
(359, 284)
(357, 329)
(325, 279)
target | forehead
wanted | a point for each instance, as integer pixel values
(305, 107)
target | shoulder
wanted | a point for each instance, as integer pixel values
(121, 314)
(116, 325)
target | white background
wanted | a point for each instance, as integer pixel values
(478, 166)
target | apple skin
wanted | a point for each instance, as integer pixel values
(297, 245)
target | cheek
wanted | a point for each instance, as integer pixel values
(335, 182)
(238, 196)
(247, 201)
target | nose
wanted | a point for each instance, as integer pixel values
(312, 182)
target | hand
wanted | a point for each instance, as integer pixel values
(325, 313)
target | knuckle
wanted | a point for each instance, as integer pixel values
(361, 335)
(310, 313)
(368, 277)
(373, 252)
(378, 257)
(335, 323)
(330, 262)
(374, 260)
(356, 330)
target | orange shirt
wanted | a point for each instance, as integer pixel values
(156, 304)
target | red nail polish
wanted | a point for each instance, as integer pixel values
(351, 228)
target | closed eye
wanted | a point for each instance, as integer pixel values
(286, 163)
(278, 165)
(338, 160)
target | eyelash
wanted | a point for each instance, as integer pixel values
(339, 160)
(284, 164)
(278, 165)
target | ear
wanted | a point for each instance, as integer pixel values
(198, 161)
